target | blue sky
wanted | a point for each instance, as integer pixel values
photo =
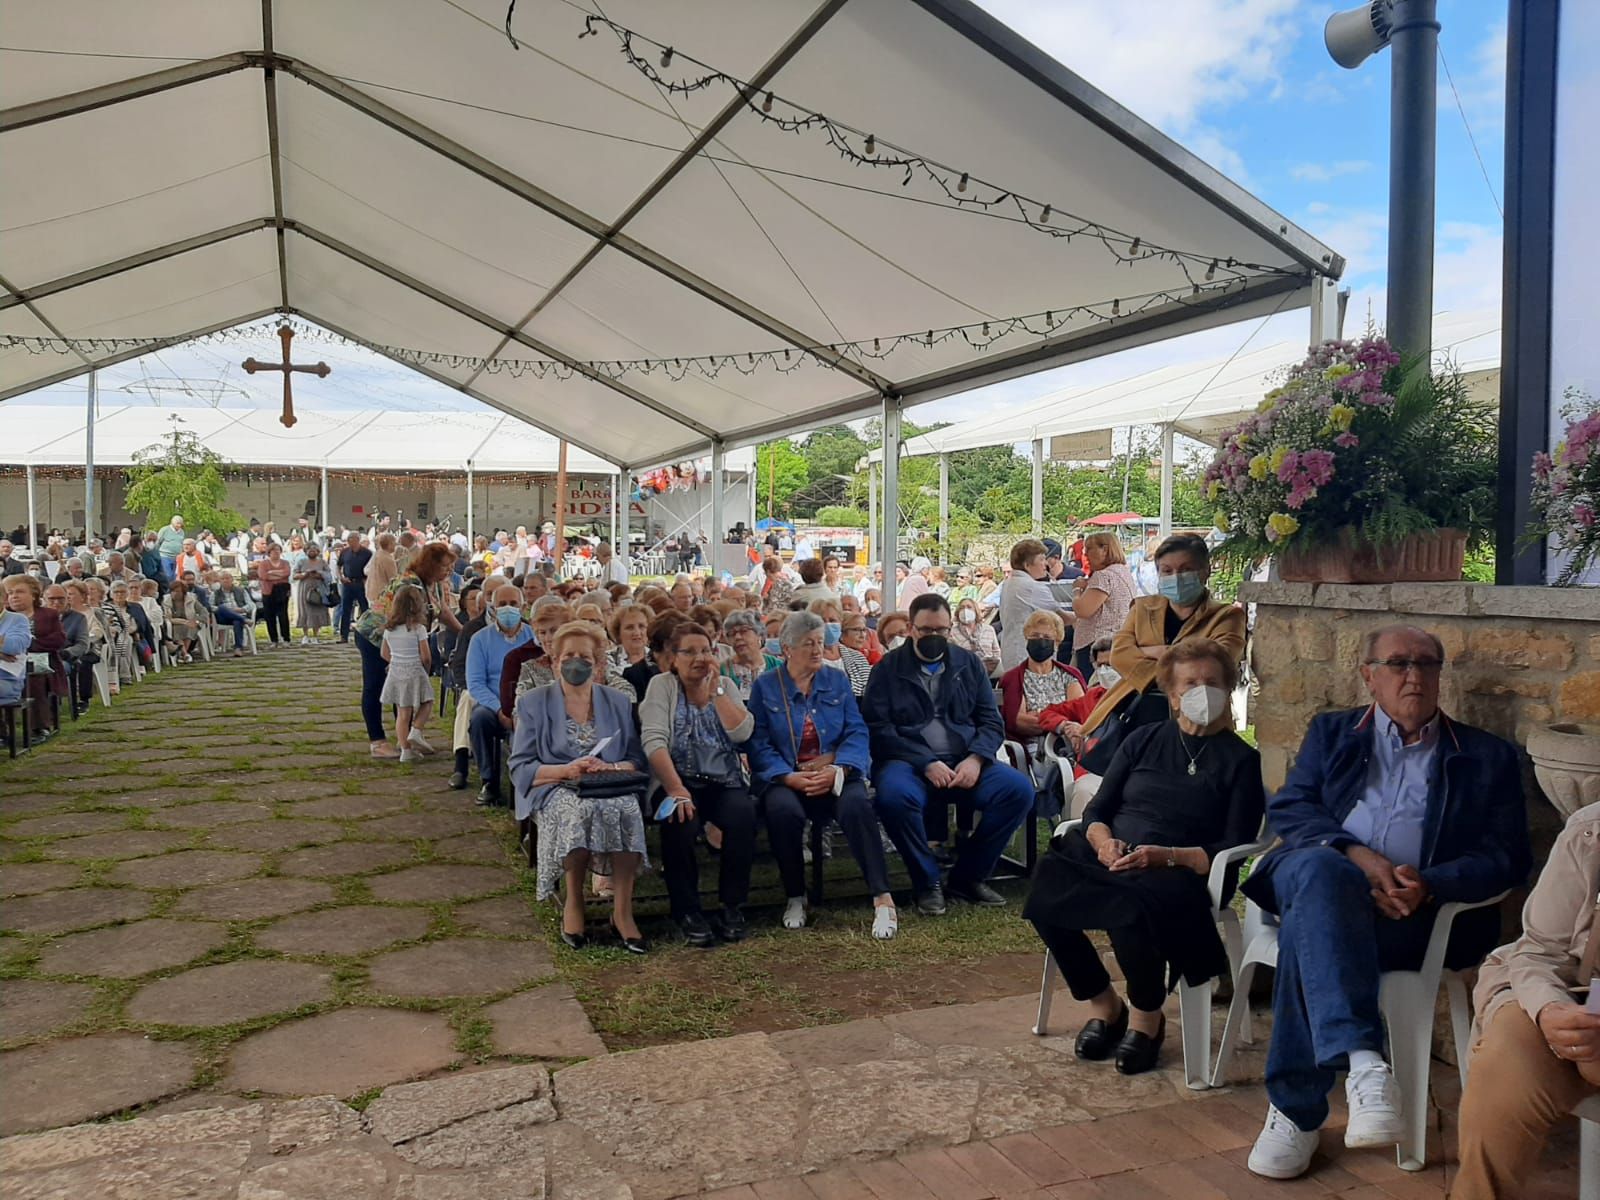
(1246, 84)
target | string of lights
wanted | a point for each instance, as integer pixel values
(978, 335)
(678, 73)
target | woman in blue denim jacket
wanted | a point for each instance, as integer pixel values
(809, 760)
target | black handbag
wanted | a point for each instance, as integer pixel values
(1147, 708)
(603, 785)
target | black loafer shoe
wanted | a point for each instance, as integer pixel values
(731, 925)
(931, 902)
(1098, 1038)
(1138, 1052)
(576, 940)
(975, 893)
(632, 945)
(489, 797)
(696, 931)
(458, 780)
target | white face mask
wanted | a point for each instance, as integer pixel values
(968, 616)
(895, 642)
(1105, 676)
(1203, 705)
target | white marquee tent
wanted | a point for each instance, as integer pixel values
(396, 171)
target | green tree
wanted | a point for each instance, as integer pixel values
(180, 477)
(780, 472)
(839, 516)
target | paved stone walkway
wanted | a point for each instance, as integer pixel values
(213, 886)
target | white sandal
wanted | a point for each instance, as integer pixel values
(794, 913)
(885, 921)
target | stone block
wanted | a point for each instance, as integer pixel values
(63, 1082)
(413, 1109)
(544, 1022)
(1540, 603)
(1521, 648)
(1432, 599)
(1594, 647)
(1358, 597)
(295, 1124)
(1502, 685)
(1274, 766)
(205, 1171)
(670, 1074)
(349, 1172)
(1313, 638)
(1454, 640)
(1295, 595)
(525, 1181)
(1580, 697)
(485, 1140)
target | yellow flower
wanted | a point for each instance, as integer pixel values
(1340, 416)
(1280, 527)
(1214, 490)
(1266, 405)
(1221, 521)
(1338, 371)
(1277, 458)
(1258, 467)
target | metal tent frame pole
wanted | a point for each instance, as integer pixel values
(471, 542)
(872, 503)
(1038, 487)
(1413, 138)
(1167, 447)
(889, 546)
(322, 514)
(93, 394)
(715, 534)
(33, 520)
(616, 489)
(944, 508)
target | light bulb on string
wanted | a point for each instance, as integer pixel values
(961, 186)
(872, 145)
(766, 105)
(666, 58)
(1133, 248)
(1045, 215)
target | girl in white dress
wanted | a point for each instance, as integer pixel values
(406, 686)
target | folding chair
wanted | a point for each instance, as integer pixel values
(1194, 1003)
(1588, 1114)
(10, 714)
(102, 682)
(1407, 1001)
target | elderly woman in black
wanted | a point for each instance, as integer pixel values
(1177, 793)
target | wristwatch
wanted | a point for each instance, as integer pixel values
(721, 691)
(1172, 856)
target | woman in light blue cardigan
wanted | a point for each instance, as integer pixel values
(15, 637)
(567, 731)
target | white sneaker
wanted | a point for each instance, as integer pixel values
(1374, 1108)
(407, 755)
(885, 922)
(1283, 1150)
(418, 742)
(794, 913)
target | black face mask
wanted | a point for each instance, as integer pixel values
(1041, 649)
(931, 647)
(577, 671)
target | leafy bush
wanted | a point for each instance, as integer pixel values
(841, 517)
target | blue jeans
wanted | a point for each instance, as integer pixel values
(1332, 947)
(169, 567)
(228, 616)
(488, 738)
(352, 596)
(1003, 796)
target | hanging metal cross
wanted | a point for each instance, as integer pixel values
(321, 370)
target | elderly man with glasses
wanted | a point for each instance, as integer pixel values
(1390, 810)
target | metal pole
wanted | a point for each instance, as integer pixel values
(718, 454)
(1127, 468)
(872, 500)
(33, 521)
(1413, 130)
(471, 541)
(615, 491)
(1038, 487)
(322, 521)
(1166, 480)
(944, 508)
(561, 504)
(889, 544)
(1324, 310)
(88, 457)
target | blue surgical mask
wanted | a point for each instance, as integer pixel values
(508, 618)
(774, 647)
(1182, 589)
(832, 631)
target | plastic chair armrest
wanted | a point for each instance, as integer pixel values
(1225, 862)
(1439, 939)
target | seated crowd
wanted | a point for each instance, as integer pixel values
(715, 711)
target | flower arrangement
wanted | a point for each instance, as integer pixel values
(1566, 488)
(1355, 445)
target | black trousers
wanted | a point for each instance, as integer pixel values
(787, 813)
(275, 608)
(1144, 970)
(732, 809)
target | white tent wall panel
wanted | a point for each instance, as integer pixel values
(158, 169)
(182, 29)
(374, 188)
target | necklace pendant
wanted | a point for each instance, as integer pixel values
(1191, 768)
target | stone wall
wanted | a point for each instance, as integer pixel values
(1519, 657)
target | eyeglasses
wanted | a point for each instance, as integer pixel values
(941, 630)
(1404, 666)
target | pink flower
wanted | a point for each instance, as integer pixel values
(1318, 466)
(1347, 441)
(1287, 468)
(1583, 514)
(1300, 493)
(1541, 465)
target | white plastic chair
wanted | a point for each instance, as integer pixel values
(102, 682)
(1194, 1003)
(1588, 1114)
(1406, 999)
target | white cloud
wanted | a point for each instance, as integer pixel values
(1323, 172)
(1169, 62)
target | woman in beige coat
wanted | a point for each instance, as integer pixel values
(1536, 1051)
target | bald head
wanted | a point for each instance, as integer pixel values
(506, 596)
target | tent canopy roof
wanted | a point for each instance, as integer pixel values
(1202, 400)
(394, 170)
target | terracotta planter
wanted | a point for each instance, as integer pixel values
(1566, 761)
(1422, 558)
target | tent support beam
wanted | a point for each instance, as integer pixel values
(125, 355)
(889, 535)
(944, 509)
(132, 262)
(92, 394)
(322, 515)
(556, 207)
(90, 99)
(33, 520)
(715, 126)
(274, 156)
(872, 505)
(470, 542)
(1038, 487)
(1167, 465)
(718, 474)
(484, 319)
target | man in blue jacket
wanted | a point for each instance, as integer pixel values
(488, 727)
(1389, 811)
(935, 731)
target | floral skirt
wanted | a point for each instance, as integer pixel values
(601, 825)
